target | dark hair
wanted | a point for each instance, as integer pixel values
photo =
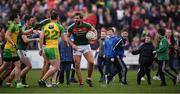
(54, 15)
(148, 35)
(161, 31)
(13, 16)
(2, 25)
(110, 28)
(78, 14)
(27, 17)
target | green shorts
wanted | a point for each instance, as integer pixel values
(10, 55)
(52, 53)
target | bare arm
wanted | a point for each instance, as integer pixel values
(41, 39)
(27, 32)
(8, 38)
(26, 40)
(71, 42)
(94, 30)
(65, 39)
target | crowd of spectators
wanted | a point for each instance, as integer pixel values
(138, 17)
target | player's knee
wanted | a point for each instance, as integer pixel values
(30, 66)
(18, 66)
(91, 63)
(56, 69)
(77, 66)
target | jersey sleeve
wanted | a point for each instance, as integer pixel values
(61, 28)
(88, 25)
(70, 28)
(163, 46)
(11, 27)
(42, 28)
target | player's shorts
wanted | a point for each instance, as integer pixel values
(82, 49)
(10, 55)
(52, 53)
(21, 53)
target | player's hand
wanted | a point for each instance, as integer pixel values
(14, 46)
(104, 56)
(97, 50)
(37, 26)
(37, 39)
(124, 56)
(75, 47)
(95, 38)
(40, 52)
(112, 59)
(130, 51)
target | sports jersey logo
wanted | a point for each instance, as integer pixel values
(51, 26)
(79, 29)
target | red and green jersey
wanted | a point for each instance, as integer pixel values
(20, 42)
(79, 33)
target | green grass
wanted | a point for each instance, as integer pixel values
(114, 87)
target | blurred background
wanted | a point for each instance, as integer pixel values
(137, 17)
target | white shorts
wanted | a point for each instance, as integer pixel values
(82, 49)
(21, 53)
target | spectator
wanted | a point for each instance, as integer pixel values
(101, 57)
(145, 59)
(66, 58)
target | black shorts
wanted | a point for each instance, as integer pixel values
(13, 59)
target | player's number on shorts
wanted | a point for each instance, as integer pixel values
(52, 36)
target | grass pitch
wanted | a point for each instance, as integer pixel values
(113, 87)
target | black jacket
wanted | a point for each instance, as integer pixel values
(146, 53)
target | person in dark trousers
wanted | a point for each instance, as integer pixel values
(73, 71)
(66, 61)
(145, 59)
(118, 51)
(163, 57)
(101, 57)
(109, 52)
(171, 42)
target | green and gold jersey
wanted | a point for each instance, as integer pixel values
(79, 33)
(53, 31)
(14, 29)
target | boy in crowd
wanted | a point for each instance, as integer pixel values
(66, 61)
(101, 57)
(118, 53)
(108, 51)
(145, 59)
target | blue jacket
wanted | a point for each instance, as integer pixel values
(118, 46)
(66, 53)
(108, 51)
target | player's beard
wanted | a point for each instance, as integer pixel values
(78, 22)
